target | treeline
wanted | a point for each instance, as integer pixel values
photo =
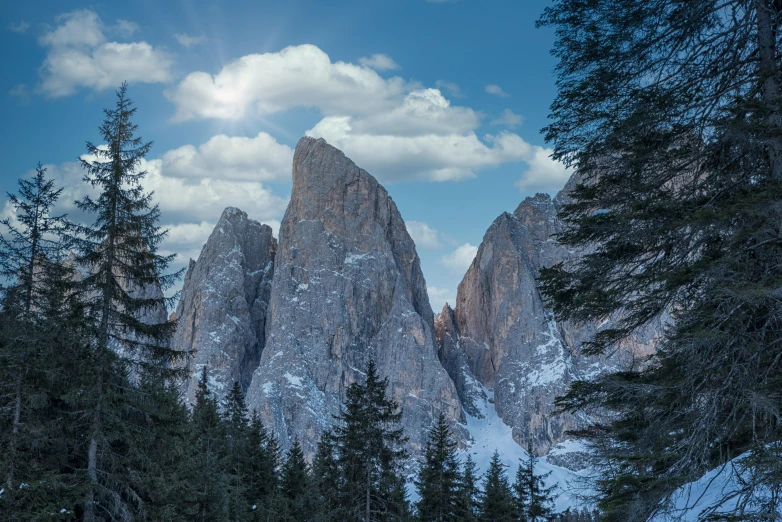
(92, 423)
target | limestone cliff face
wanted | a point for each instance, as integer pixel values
(347, 288)
(507, 337)
(223, 305)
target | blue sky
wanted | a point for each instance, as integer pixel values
(442, 101)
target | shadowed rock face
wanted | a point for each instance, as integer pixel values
(506, 337)
(224, 300)
(347, 288)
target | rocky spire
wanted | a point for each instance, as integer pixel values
(347, 288)
(223, 305)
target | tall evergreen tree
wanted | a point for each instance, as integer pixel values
(534, 501)
(295, 486)
(670, 110)
(119, 253)
(237, 434)
(439, 478)
(259, 470)
(326, 481)
(40, 337)
(369, 446)
(209, 480)
(468, 492)
(497, 499)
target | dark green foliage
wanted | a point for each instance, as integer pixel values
(670, 110)
(295, 486)
(236, 453)
(534, 501)
(439, 478)
(326, 481)
(369, 450)
(468, 495)
(497, 503)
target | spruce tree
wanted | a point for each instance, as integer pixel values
(439, 478)
(326, 481)
(534, 501)
(259, 469)
(369, 447)
(468, 492)
(497, 499)
(122, 283)
(295, 486)
(237, 434)
(670, 112)
(209, 478)
(40, 340)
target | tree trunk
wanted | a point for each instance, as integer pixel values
(767, 13)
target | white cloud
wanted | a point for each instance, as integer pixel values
(379, 62)
(496, 90)
(544, 174)
(452, 88)
(439, 296)
(397, 130)
(509, 118)
(300, 76)
(79, 55)
(423, 235)
(231, 158)
(460, 259)
(19, 27)
(185, 40)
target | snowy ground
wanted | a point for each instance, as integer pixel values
(696, 500)
(490, 433)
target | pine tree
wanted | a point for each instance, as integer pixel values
(439, 478)
(369, 448)
(468, 492)
(670, 112)
(237, 433)
(259, 469)
(497, 499)
(209, 481)
(534, 501)
(326, 481)
(40, 340)
(295, 486)
(119, 254)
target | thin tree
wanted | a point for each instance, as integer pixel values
(439, 478)
(119, 253)
(534, 500)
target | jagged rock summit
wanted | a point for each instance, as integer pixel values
(223, 304)
(347, 288)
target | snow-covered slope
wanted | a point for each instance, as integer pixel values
(490, 433)
(718, 491)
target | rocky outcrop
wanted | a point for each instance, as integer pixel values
(223, 305)
(347, 288)
(509, 340)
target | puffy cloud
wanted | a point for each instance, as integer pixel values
(452, 88)
(379, 62)
(439, 296)
(79, 55)
(544, 174)
(185, 40)
(299, 76)
(231, 158)
(508, 118)
(460, 259)
(19, 27)
(125, 28)
(496, 90)
(423, 235)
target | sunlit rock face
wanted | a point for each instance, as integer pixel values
(223, 305)
(347, 288)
